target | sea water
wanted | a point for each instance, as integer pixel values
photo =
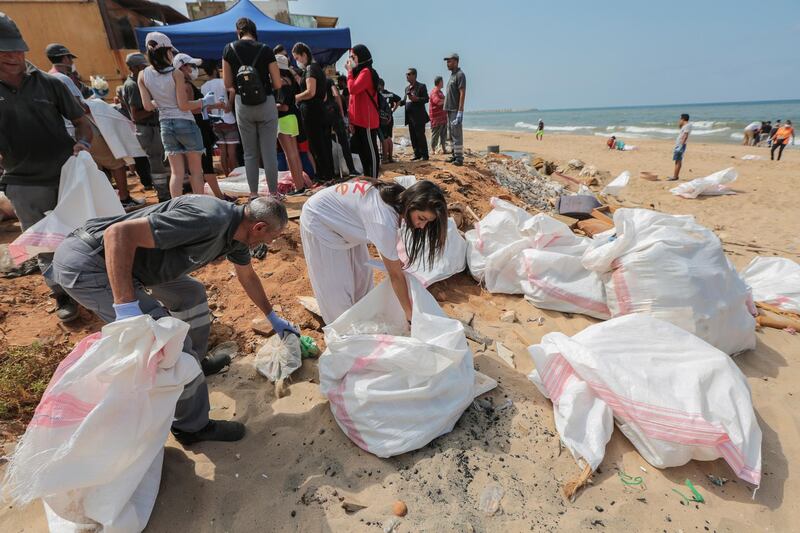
(722, 123)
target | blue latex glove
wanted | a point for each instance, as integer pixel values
(459, 118)
(280, 325)
(127, 310)
(209, 99)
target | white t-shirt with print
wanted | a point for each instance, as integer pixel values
(687, 129)
(350, 214)
(217, 86)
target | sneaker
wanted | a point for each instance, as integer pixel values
(213, 364)
(259, 251)
(451, 159)
(66, 308)
(130, 202)
(424, 158)
(297, 192)
(672, 178)
(458, 162)
(416, 158)
(215, 430)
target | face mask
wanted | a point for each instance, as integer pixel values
(301, 63)
(72, 67)
(193, 73)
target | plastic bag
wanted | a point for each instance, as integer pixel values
(83, 193)
(712, 185)
(673, 268)
(94, 448)
(405, 181)
(617, 184)
(279, 357)
(775, 281)
(675, 397)
(235, 184)
(118, 132)
(393, 394)
(452, 260)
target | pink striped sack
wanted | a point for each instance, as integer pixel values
(452, 260)
(391, 389)
(672, 268)
(94, 448)
(83, 193)
(674, 396)
(775, 281)
(513, 252)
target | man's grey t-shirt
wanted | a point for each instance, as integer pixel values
(34, 143)
(133, 100)
(189, 232)
(456, 82)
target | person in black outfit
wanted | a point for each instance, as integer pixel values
(311, 103)
(416, 116)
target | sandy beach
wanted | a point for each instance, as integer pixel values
(295, 468)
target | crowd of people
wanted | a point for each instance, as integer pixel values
(140, 263)
(776, 136)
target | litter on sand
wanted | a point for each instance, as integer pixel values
(712, 185)
(775, 281)
(617, 184)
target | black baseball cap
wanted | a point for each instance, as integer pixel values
(58, 50)
(10, 37)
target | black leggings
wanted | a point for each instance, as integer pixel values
(319, 138)
(365, 142)
(779, 148)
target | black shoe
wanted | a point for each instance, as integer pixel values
(130, 202)
(458, 162)
(148, 187)
(451, 159)
(213, 364)
(424, 158)
(416, 158)
(297, 192)
(215, 430)
(66, 308)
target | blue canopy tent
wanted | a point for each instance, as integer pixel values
(205, 38)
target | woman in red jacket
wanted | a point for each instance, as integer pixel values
(362, 82)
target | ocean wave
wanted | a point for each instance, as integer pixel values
(553, 128)
(639, 129)
(622, 134)
(703, 123)
(737, 135)
(709, 132)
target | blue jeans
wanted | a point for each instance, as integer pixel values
(181, 136)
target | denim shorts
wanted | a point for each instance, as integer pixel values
(677, 153)
(181, 136)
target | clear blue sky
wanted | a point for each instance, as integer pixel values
(583, 53)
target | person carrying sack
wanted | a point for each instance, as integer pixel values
(251, 75)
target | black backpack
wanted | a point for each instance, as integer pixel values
(249, 85)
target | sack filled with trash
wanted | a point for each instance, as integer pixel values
(94, 448)
(394, 388)
(774, 281)
(674, 396)
(672, 268)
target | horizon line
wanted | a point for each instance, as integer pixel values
(636, 106)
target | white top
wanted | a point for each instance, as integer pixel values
(351, 214)
(687, 129)
(162, 89)
(217, 86)
(753, 126)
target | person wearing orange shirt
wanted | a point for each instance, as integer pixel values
(781, 138)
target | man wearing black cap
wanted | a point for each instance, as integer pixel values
(34, 142)
(147, 127)
(64, 62)
(454, 105)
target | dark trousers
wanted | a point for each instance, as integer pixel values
(365, 143)
(143, 170)
(777, 146)
(319, 138)
(418, 141)
(344, 141)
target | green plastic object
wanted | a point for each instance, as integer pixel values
(308, 348)
(696, 496)
(629, 480)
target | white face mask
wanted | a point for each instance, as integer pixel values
(301, 63)
(73, 67)
(193, 73)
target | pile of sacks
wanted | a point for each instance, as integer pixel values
(666, 266)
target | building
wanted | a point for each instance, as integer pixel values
(99, 32)
(276, 9)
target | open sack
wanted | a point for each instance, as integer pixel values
(393, 390)
(674, 396)
(235, 184)
(94, 449)
(511, 251)
(775, 281)
(452, 260)
(83, 193)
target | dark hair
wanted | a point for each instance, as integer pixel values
(437, 80)
(422, 245)
(685, 116)
(245, 26)
(279, 49)
(381, 83)
(209, 66)
(365, 62)
(159, 57)
(303, 49)
(412, 70)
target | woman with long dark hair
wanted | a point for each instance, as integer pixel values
(337, 224)
(288, 125)
(310, 100)
(163, 87)
(362, 82)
